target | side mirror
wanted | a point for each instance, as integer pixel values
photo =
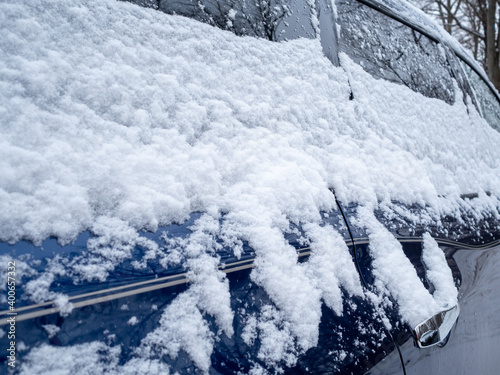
(435, 330)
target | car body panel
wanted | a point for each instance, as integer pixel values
(124, 304)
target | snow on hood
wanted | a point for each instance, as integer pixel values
(116, 118)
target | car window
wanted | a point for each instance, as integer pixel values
(463, 82)
(489, 104)
(390, 50)
(274, 20)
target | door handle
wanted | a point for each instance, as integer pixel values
(435, 330)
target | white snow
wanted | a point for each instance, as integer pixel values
(330, 266)
(133, 321)
(277, 342)
(249, 333)
(314, 17)
(62, 303)
(209, 287)
(115, 118)
(439, 274)
(181, 327)
(232, 13)
(91, 358)
(21, 346)
(395, 274)
(51, 330)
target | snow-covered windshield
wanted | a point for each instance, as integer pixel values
(390, 50)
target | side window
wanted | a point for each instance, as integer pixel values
(462, 80)
(488, 102)
(274, 20)
(390, 50)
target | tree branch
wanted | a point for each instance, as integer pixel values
(460, 25)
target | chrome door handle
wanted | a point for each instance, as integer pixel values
(433, 331)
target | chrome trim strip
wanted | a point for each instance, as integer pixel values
(37, 310)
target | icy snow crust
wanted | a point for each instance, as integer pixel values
(116, 118)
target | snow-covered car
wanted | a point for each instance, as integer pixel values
(299, 187)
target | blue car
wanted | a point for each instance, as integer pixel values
(233, 187)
